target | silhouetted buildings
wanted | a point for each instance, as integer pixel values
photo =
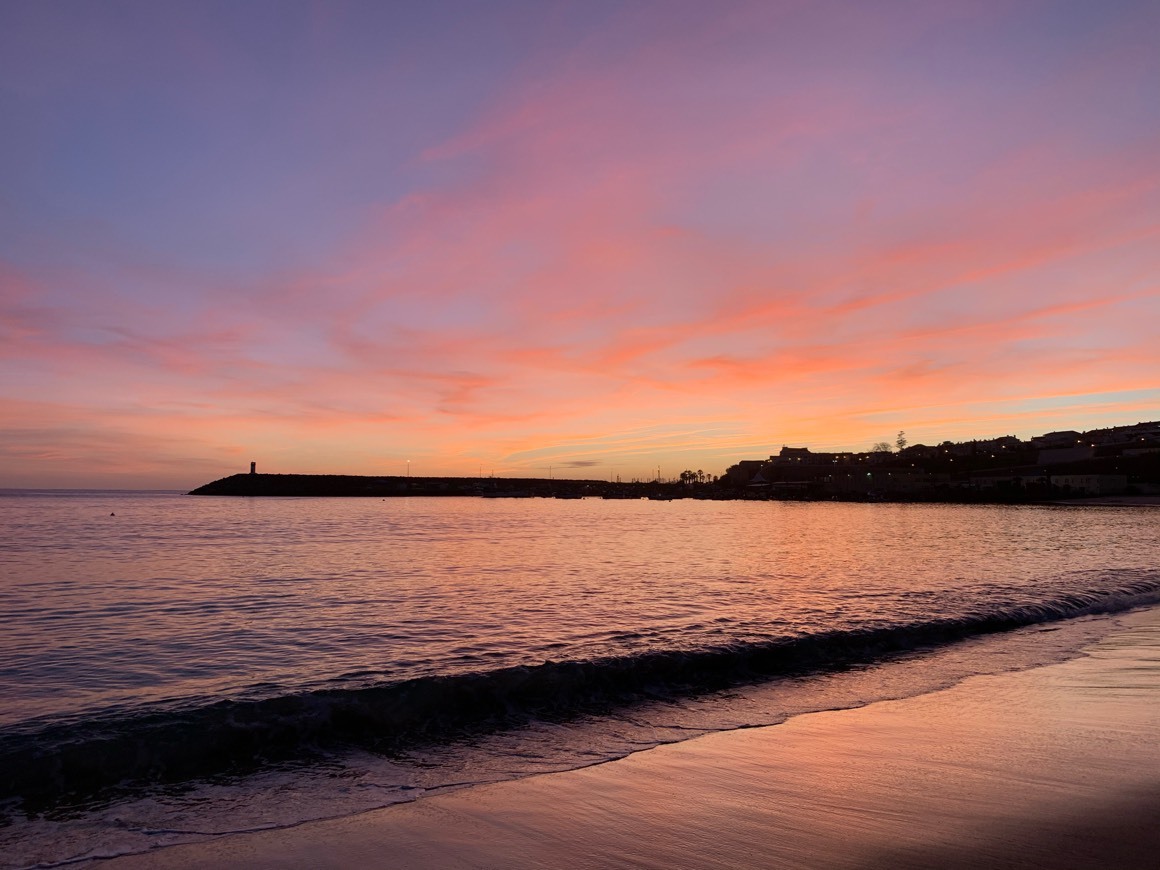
(1122, 459)
(1065, 464)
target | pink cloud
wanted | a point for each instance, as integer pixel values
(686, 230)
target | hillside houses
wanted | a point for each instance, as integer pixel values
(1067, 462)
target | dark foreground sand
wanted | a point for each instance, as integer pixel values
(1054, 767)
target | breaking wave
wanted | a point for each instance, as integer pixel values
(66, 763)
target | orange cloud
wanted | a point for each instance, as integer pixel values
(676, 247)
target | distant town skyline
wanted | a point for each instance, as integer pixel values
(596, 238)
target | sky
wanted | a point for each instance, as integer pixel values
(584, 239)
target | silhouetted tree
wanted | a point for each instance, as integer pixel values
(900, 441)
(880, 447)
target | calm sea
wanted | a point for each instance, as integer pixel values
(174, 667)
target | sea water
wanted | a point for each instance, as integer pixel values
(174, 667)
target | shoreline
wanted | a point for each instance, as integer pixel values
(255, 485)
(1055, 766)
(1113, 501)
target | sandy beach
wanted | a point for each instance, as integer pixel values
(1057, 766)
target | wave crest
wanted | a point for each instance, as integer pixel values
(67, 763)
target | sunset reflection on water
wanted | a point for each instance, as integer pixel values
(126, 599)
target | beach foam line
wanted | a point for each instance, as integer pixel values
(54, 764)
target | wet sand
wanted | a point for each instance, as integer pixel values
(1056, 767)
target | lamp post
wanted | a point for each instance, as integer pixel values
(408, 468)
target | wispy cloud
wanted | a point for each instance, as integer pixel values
(807, 222)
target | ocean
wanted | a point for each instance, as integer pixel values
(174, 668)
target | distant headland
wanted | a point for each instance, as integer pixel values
(1117, 462)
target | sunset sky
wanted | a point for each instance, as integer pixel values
(600, 238)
